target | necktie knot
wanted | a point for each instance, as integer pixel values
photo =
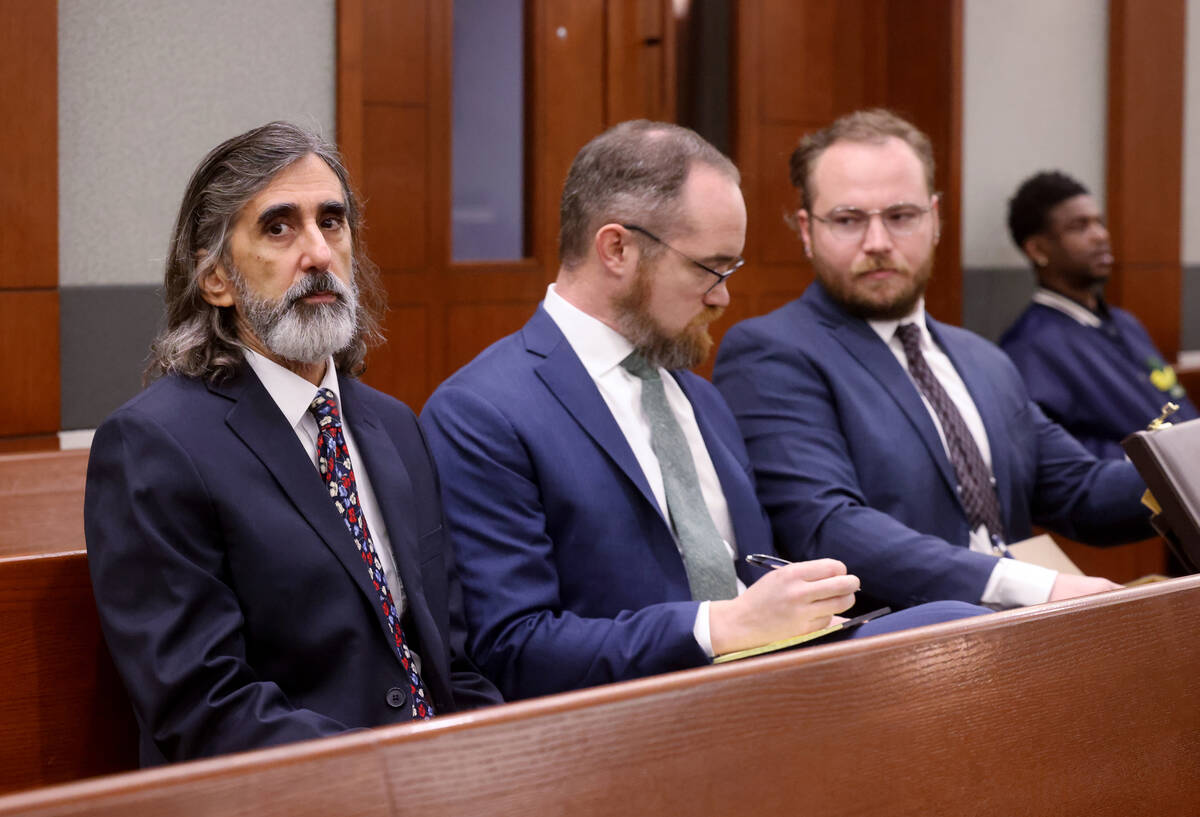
(639, 367)
(910, 338)
(324, 408)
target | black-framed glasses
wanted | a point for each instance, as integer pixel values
(738, 263)
(850, 223)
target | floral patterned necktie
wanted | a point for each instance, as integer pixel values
(333, 461)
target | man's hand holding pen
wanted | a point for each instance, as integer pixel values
(794, 598)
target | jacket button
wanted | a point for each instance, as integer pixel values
(396, 697)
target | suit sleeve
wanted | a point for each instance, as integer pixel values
(520, 635)
(470, 688)
(1094, 501)
(807, 481)
(172, 622)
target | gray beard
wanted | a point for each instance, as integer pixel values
(300, 332)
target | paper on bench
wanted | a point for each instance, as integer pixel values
(1044, 551)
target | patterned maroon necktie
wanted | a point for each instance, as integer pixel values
(333, 460)
(976, 490)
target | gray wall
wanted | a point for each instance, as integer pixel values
(1034, 97)
(145, 89)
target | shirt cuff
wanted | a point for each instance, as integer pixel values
(1018, 584)
(700, 630)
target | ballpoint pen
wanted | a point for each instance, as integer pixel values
(763, 560)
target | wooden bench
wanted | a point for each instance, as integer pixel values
(1084, 707)
(64, 713)
(41, 502)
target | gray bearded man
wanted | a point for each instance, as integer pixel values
(264, 532)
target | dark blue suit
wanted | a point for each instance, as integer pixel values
(571, 576)
(230, 591)
(849, 463)
(1095, 381)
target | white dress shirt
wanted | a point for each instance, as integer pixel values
(293, 394)
(601, 350)
(1012, 583)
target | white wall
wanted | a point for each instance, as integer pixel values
(1035, 78)
(1190, 251)
(146, 88)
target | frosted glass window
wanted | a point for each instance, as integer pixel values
(488, 210)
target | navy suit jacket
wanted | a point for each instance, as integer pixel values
(571, 576)
(229, 589)
(849, 463)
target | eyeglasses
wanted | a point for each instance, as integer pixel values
(850, 223)
(738, 263)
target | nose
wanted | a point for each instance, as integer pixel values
(315, 253)
(1100, 231)
(877, 239)
(718, 295)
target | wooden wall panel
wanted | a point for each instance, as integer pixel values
(29, 214)
(29, 134)
(1145, 162)
(568, 67)
(29, 338)
(639, 58)
(924, 84)
(404, 372)
(396, 183)
(396, 40)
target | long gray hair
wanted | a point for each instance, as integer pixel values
(200, 340)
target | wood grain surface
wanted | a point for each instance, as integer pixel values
(1084, 707)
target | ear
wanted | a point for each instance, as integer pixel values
(936, 213)
(616, 250)
(1035, 248)
(804, 227)
(216, 287)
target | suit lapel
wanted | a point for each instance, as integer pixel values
(860, 340)
(569, 382)
(257, 422)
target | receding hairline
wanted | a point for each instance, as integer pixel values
(879, 140)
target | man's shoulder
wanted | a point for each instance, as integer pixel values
(795, 316)
(169, 399)
(1040, 330)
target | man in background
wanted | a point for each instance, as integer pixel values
(1090, 366)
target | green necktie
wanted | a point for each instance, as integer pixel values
(705, 557)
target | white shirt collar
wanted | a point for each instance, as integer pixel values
(1072, 309)
(598, 346)
(291, 392)
(887, 329)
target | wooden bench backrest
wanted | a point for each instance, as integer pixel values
(1085, 707)
(64, 713)
(41, 502)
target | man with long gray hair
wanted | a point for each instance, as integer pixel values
(264, 531)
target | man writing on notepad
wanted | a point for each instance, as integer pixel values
(599, 494)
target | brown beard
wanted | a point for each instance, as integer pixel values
(867, 305)
(686, 350)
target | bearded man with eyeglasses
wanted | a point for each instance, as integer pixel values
(904, 447)
(597, 493)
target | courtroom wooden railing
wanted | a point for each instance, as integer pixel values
(1084, 707)
(41, 502)
(64, 713)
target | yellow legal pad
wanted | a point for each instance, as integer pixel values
(796, 640)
